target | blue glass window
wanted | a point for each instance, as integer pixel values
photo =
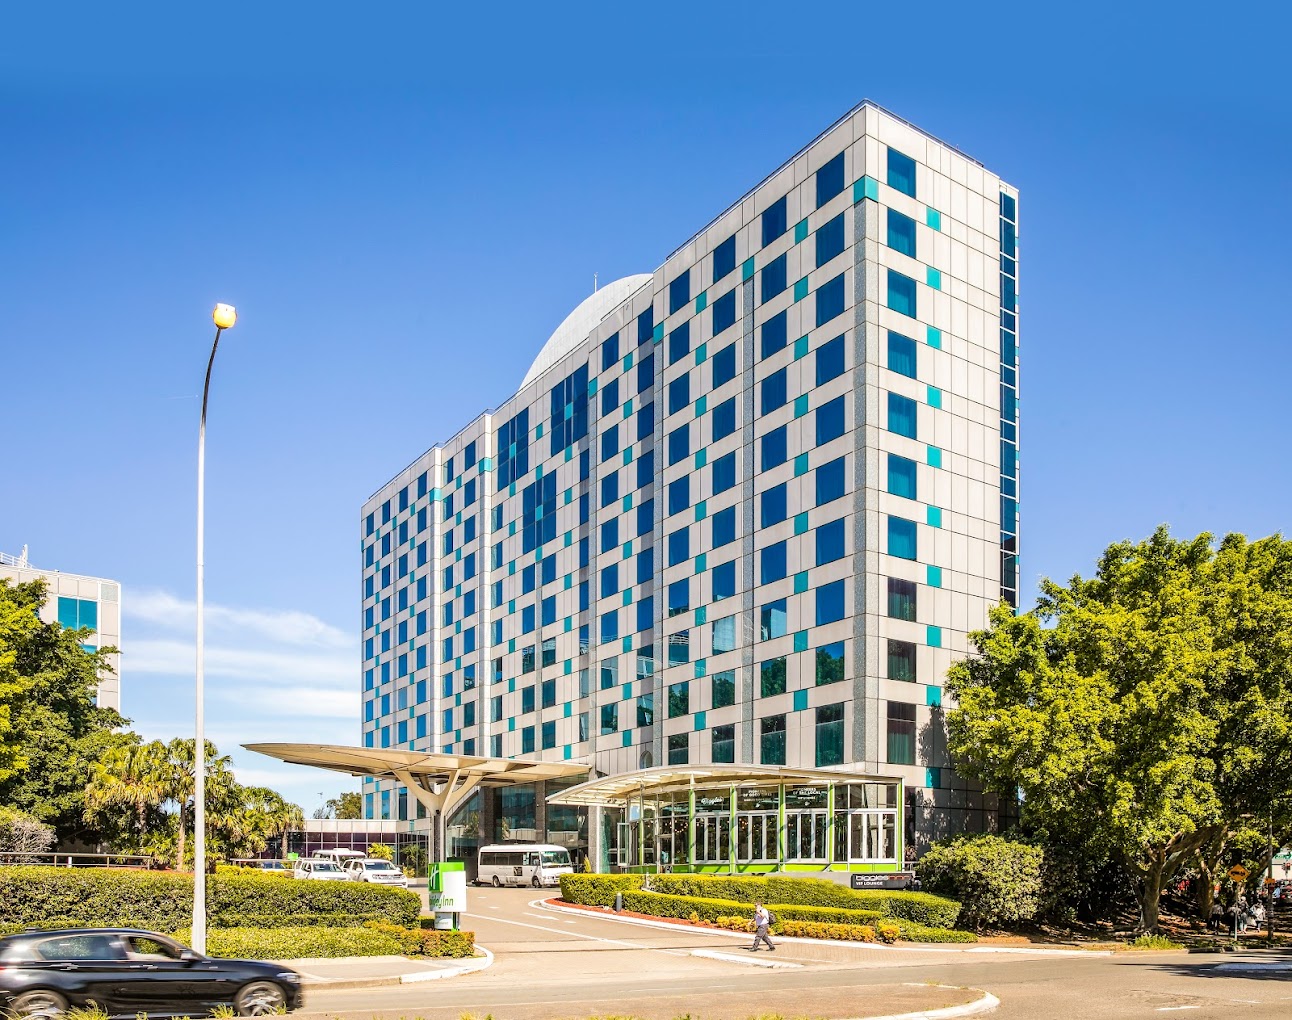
(901, 354)
(610, 397)
(901, 476)
(610, 534)
(829, 240)
(724, 580)
(513, 449)
(724, 472)
(645, 517)
(679, 393)
(679, 495)
(646, 421)
(829, 180)
(831, 542)
(609, 355)
(830, 300)
(609, 494)
(679, 597)
(774, 279)
(771, 563)
(830, 420)
(610, 442)
(774, 335)
(549, 735)
(830, 359)
(829, 603)
(679, 546)
(646, 325)
(774, 221)
(538, 513)
(901, 415)
(679, 292)
(724, 258)
(901, 233)
(773, 506)
(679, 444)
(724, 419)
(610, 580)
(1008, 239)
(526, 619)
(1008, 459)
(724, 527)
(901, 538)
(610, 626)
(773, 391)
(646, 373)
(645, 469)
(646, 613)
(901, 293)
(724, 312)
(679, 343)
(724, 365)
(646, 565)
(901, 172)
(773, 448)
(1008, 207)
(548, 610)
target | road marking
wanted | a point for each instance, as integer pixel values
(1168, 1009)
(543, 917)
(748, 961)
(590, 938)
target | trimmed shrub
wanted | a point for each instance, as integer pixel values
(374, 939)
(997, 880)
(46, 896)
(597, 890)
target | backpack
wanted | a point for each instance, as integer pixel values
(771, 919)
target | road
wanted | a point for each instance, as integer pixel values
(553, 964)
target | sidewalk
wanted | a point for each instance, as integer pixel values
(374, 971)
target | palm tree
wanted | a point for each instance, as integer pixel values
(132, 777)
(273, 815)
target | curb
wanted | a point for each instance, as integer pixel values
(314, 984)
(986, 1003)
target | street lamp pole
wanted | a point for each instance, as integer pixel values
(224, 317)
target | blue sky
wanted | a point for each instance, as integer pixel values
(394, 198)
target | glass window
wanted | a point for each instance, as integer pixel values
(830, 358)
(724, 744)
(609, 354)
(773, 505)
(610, 535)
(679, 343)
(646, 468)
(679, 699)
(773, 448)
(901, 599)
(724, 688)
(830, 481)
(829, 180)
(724, 258)
(724, 365)
(724, 312)
(679, 495)
(610, 626)
(609, 673)
(610, 580)
(527, 695)
(829, 663)
(549, 734)
(772, 563)
(773, 391)
(609, 494)
(901, 733)
(646, 421)
(679, 546)
(830, 299)
(901, 660)
(610, 397)
(724, 527)
(646, 710)
(645, 517)
(646, 613)
(901, 293)
(771, 677)
(774, 335)
(724, 472)
(901, 476)
(774, 221)
(678, 750)
(771, 620)
(901, 538)
(724, 635)
(901, 233)
(829, 603)
(771, 746)
(646, 373)
(645, 565)
(901, 354)
(679, 648)
(831, 542)
(829, 735)
(830, 421)
(724, 419)
(902, 415)
(610, 442)
(773, 279)
(679, 597)
(1008, 206)
(610, 718)
(679, 393)
(679, 444)
(724, 580)
(829, 240)
(679, 292)
(901, 172)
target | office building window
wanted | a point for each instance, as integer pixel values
(679, 546)
(772, 563)
(724, 635)
(724, 419)
(679, 495)
(830, 421)
(901, 233)
(901, 538)
(773, 505)
(679, 647)
(774, 335)
(901, 293)
(610, 397)
(724, 365)
(610, 442)
(679, 444)
(773, 448)
(679, 343)
(724, 688)
(830, 601)
(829, 663)
(724, 258)
(830, 299)
(771, 677)
(609, 353)
(901, 172)
(771, 744)
(902, 415)
(830, 358)
(831, 541)
(724, 472)
(829, 735)
(775, 222)
(724, 745)
(830, 481)
(646, 373)
(724, 312)
(679, 699)
(829, 240)
(902, 599)
(679, 292)
(901, 476)
(679, 597)
(679, 394)
(724, 580)
(678, 751)
(773, 391)
(610, 718)
(724, 527)
(901, 733)
(771, 620)
(901, 660)
(646, 710)
(773, 279)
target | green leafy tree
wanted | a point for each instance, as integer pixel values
(997, 881)
(348, 805)
(1119, 708)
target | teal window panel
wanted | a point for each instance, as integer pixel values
(569, 497)
(800, 640)
(628, 361)
(569, 454)
(935, 457)
(511, 725)
(437, 493)
(628, 644)
(628, 456)
(800, 582)
(592, 392)
(747, 269)
(701, 405)
(538, 433)
(511, 489)
(933, 576)
(568, 755)
(701, 563)
(628, 502)
(628, 738)
(800, 524)
(511, 647)
(933, 696)
(628, 597)
(699, 721)
(628, 408)
(701, 459)
(628, 550)
(568, 709)
(569, 539)
(800, 464)
(934, 636)
(935, 397)
(932, 777)
(934, 278)
(701, 353)
(701, 614)
(569, 666)
(511, 606)
(801, 289)
(800, 348)
(934, 337)
(627, 691)
(701, 301)
(457, 558)
(701, 510)
(934, 517)
(511, 528)
(658, 334)
(800, 231)
(569, 581)
(700, 668)
(800, 406)
(867, 187)
(800, 701)
(67, 612)
(934, 218)
(569, 624)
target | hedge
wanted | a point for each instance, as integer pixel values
(999, 881)
(709, 910)
(162, 901)
(373, 939)
(597, 890)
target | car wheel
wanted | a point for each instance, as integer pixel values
(536, 883)
(260, 998)
(496, 883)
(39, 1003)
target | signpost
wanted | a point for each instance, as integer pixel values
(1239, 874)
(447, 894)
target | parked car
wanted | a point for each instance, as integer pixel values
(272, 865)
(323, 871)
(127, 972)
(374, 869)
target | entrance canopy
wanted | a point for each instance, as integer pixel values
(671, 779)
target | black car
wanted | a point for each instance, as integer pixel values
(126, 972)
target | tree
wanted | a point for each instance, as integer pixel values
(348, 805)
(20, 833)
(275, 817)
(1119, 706)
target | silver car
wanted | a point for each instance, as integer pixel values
(376, 870)
(321, 871)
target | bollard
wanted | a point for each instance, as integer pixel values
(619, 902)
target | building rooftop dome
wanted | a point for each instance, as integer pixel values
(582, 321)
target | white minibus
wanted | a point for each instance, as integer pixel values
(533, 864)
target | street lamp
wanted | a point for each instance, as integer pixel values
(224, 316)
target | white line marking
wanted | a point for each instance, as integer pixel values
(1168, 1009)
(590, 938)
(748, 961)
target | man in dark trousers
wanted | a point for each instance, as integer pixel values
(762, 923)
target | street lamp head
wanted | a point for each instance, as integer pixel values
(224, 316)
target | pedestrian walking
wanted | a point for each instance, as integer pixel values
(762, 924)
(1217, 915)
